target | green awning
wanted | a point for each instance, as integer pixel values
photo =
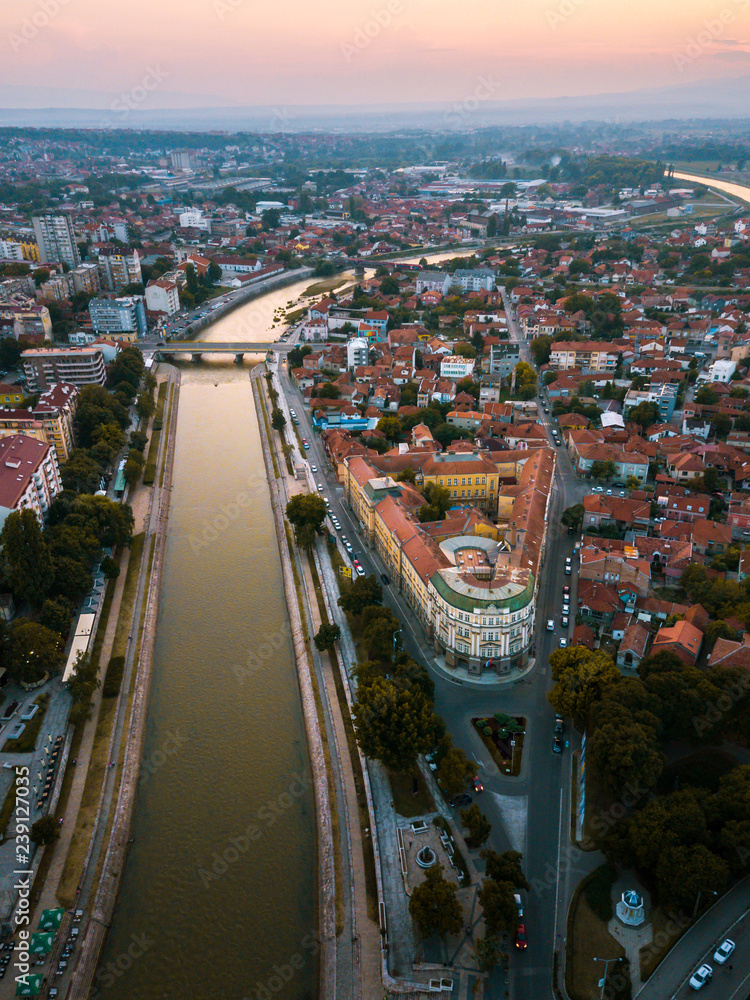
(41, 943)
(29, 986)
(50, 919)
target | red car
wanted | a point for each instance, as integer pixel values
(478, 786)
(521, 936)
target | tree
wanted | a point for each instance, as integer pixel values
(683, 872)
(380, 633)
(572, 517)
(391, 427)
(45, 830)
(541, 349)
(133, 469)
(35, 651)
(306, 512)
(407, 476)
(438, 502)
(625, 755)
(524, 379)
(330, 391)
(500, 914)
(213, 272)
(56, 615)
(490, 953)
(364, 592)
(328, 635)
(27, 557)
(10, 352)
(393, 724)
(580, 677)
(707, 396)
(278, 420)
(434, 906)
(81, 685)
(603, 470)
(644, 414)
(479, 827)
(464, 350)
(505, 867)
(270, 218)
(145, 405)
(297, 355)
(453, 770)
(632, 482)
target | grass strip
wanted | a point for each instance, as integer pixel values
(149, 472)
(125, 618)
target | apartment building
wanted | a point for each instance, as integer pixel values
(56, 410)
(27, 320)
(587, 355)
(163, 296)
(56, 239)
(119, 319)
(116, 269)
(29, 475)
(45, 367)
(456, 367)
(503, 359)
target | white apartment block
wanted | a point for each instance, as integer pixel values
(56, 239)
(163, 296)
(456, 367)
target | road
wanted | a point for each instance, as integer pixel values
(728, 918)
(529, 813)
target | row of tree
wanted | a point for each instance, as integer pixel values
(630, 722)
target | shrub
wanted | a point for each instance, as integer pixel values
(113, 680)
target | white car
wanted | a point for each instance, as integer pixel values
(701, 976)
(723, 952)
(313, 468)
(563, 642)
(550, 625)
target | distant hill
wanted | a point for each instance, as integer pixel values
(723, 98)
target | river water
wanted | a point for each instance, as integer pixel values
(740, 191)
(219, 890)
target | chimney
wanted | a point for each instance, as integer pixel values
(513, 534)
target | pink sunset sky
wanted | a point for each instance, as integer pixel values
(244, 52)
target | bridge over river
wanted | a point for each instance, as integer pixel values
(197, 348)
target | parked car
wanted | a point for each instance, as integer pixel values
(463, 799)
(564, 620)
(701, 976)
(563, 642)
(386, 579)
(519, 904)
(360, 570)
(723, 952)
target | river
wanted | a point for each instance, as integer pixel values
(739, 191)
(219, 885)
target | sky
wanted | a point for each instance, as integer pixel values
(182, 53)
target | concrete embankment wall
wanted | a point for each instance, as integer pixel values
(326, 875)
(245, 294)
(115, 855)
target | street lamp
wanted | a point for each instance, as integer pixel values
(607, 963)
(697, 901)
